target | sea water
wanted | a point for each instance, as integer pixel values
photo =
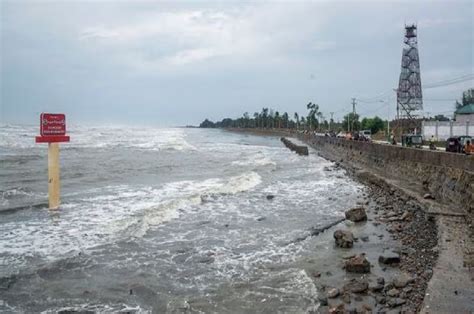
(163, 219)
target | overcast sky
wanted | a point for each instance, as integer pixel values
(175, 63)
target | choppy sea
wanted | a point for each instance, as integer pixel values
(163, 220)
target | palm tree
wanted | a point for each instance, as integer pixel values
(285, 120)
(313, 112)
(277, 118)
(264, 118)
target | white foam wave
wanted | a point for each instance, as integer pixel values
(259, 161)
(118, 212)
(20, 137)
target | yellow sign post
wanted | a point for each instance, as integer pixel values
(53, 176)
(53, 131)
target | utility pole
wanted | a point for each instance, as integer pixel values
(388, 120)
(330, 121)
(353, 112)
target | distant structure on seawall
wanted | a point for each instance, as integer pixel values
(409, 93)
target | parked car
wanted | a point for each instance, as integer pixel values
(456, 144)
(367, 134)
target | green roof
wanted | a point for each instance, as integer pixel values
(467, 109)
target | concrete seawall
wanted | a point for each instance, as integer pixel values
(448, 177)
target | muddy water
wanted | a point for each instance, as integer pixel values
(165, 220)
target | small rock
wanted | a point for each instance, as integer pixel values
(393, 292)
(406, 216)
(367, 307)
(357, 285)
(344, 238)
(346, 297)
(338, 309)
(381, 280)
(323, 300)
(333, 293)
(394, 302)
(402, 280)
(261, 218)
(357, 264)
(365, 238)
(428, 196)
(380, 299)
(356, 214)
(270, 197)
(376, 288)
(389, 258)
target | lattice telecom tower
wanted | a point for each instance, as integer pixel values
(409, 95)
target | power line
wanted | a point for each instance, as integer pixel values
(451, 81)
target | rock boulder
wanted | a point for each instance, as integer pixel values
(358, 264)
(356, 214)
(344, 238)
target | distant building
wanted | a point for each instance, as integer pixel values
(464, 114)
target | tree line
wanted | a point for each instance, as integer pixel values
(314, 120)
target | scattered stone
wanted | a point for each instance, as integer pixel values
(338, 309)
(358, 264)
(333, 293)
(389, 258)
(380, 299)
(428, 196)
(346, 297)
(365, 238)
(357, 285)
(270, 197)
(323, 300)
(394, 302)
(344, 238)
(366, 307)
(381, 280)
(261, 219)
(376, 288)
(316, 274)
(356, 214)
(393, 292)
(328, 273)
(406, 216)
(402, 280)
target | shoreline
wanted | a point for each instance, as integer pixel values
(413, 236)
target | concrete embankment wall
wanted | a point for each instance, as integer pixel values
(448, 177)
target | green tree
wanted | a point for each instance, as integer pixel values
(285, 120)
(303, 122)
(264, 118)
(313, 111)
(277, 119)
(352, 121)
(374, 124)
